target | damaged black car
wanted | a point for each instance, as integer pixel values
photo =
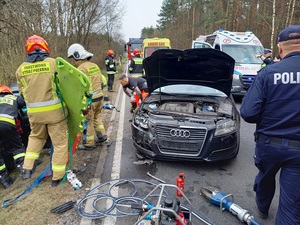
(189, 113)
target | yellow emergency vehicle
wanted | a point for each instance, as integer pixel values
(152, 44)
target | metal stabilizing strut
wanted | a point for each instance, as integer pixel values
(222, 200)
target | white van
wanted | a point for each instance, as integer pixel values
(242, 46)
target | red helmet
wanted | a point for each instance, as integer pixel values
(36, 43)
(136, 51)
(110, 52)
(5, 89)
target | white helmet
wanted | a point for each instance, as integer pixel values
(78, 52)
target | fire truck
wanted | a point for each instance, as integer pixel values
(242, 46)
(152, 44)
(131, 45)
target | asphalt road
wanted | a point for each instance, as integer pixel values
(232, 177)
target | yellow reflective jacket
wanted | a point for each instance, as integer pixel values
(36, 84)
(95, 76)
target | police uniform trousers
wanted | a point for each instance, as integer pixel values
(95, 123)
(37, 139)
(11, 142)
(269, 159)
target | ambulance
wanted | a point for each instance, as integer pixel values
(152, 44)
(242, 47)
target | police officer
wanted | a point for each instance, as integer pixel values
(111, 69)
(9, 137)
(272, 102)
(266, 58)
(80, 59)
(137, 85)
(44, 108)
(136, 68)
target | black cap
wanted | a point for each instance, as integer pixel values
(266, 50)
(289, 33)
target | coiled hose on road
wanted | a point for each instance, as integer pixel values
(120, 206)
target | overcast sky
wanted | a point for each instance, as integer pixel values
(139, 14)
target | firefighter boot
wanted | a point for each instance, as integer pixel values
(26, 174)
(19, 163)
(6, 180)
(101, 138)
(55, 183)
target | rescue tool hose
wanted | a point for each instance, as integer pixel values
(36, 182)
(119, 203)
(46, 173)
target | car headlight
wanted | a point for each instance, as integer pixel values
(141, 121)
(225, 127)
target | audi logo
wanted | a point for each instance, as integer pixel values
(180, 133)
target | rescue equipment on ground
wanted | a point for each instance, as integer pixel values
(43, 176)
(180, 184)
(136, 203)
(76, 184)
(110, 107)
(222, 200)
(63, 208)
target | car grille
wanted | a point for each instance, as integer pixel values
(179, 144)
(247, 80)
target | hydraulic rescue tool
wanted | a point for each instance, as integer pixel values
(222, 200)
(110, 106)
(167, 211)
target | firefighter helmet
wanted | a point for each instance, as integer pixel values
(36, 43)
(78, 52)
(110, 52)
(5, 89)
(136, 51)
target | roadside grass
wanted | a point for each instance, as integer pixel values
(34, 208)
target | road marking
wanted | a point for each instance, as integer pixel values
(116, 161)
(116, 167)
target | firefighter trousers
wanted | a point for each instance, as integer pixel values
(95, 123)
(11, 142)
(37, 139)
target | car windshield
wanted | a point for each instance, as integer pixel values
(244, 53)
(136, 45)
(201, 45)
(150, 50)
(188, 89)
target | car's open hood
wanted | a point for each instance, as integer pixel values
(207, 67)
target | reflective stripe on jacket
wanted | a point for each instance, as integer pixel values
(36, 84)
(94, 74)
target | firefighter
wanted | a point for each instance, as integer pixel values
(10, 139)
(45, 111)
(138, 86)
(136, 64)
(80, 59)
(111, 69)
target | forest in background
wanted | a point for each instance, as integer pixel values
(184, 20)
(96, 24)
(93, 23)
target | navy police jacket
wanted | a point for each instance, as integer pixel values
(273, 99)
